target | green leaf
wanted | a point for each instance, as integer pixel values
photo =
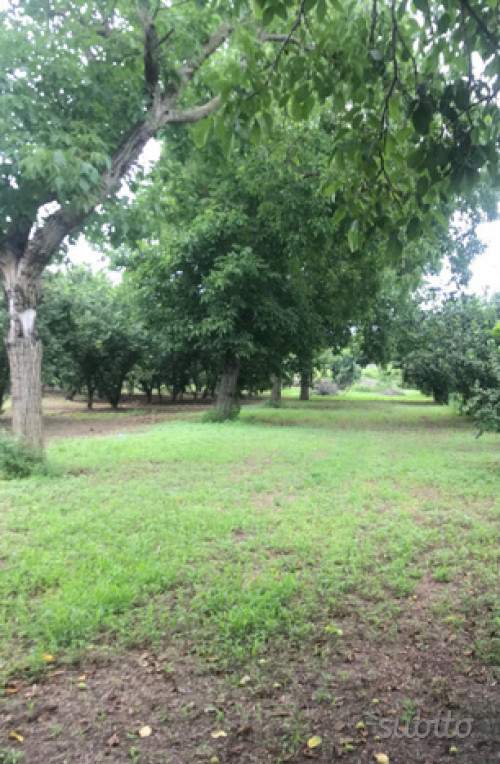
(422, 117)
(443, 23)
(268, 15)
(413, 229)
(201, 131)
(321, 10)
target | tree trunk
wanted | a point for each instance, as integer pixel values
(276, 390)
(25, 358)
(24, 349)
(304, 387)
(226, 402)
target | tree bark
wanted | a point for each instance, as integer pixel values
(25, 358)
(227, 399)
(276, 390)
(304, 387)
(24, 348)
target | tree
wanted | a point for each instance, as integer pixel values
(454, 349)
(84, 87)
(83, 348)
(345, 370)
(248, 249)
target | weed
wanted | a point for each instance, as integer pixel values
(18, 459)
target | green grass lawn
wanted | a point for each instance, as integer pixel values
(263, 529)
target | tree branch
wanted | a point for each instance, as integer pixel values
(189, 69)
(195, 114)
(265, 37)
(286, 40)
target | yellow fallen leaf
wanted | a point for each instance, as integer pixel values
(314, 742)
(218, 733)
(81, 678)
(145, 731)
(381, 758)
(16, 736)
(47, 657)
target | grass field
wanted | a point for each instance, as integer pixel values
(327, 523)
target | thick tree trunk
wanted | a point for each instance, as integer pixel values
(227, 393)
(24, 348)
(304, 387)
(276, 390)
(25, 359)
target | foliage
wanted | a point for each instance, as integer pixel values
(89, 334)
(453, 349)
(345, 370)
(484, 405)
(247, 257)
(18, 459)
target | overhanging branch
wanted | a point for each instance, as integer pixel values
(195, 114)
(213, 43)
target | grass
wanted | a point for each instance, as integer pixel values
(261, 530)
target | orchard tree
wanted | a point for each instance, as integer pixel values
(85, 86)
(243, 258)
(83, 348)
(452, 348)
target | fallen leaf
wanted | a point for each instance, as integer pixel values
(218, 733)
(82, 678)
(145, 731)
(11, 690)
(314, 742)
(82, 686)
(381, 758)
(113, 740)
(16, 736)
(244, 680)
(47, 657)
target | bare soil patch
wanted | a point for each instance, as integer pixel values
(348, 689)
(68, 419)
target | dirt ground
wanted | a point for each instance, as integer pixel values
(189, 709)
(65, 419)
